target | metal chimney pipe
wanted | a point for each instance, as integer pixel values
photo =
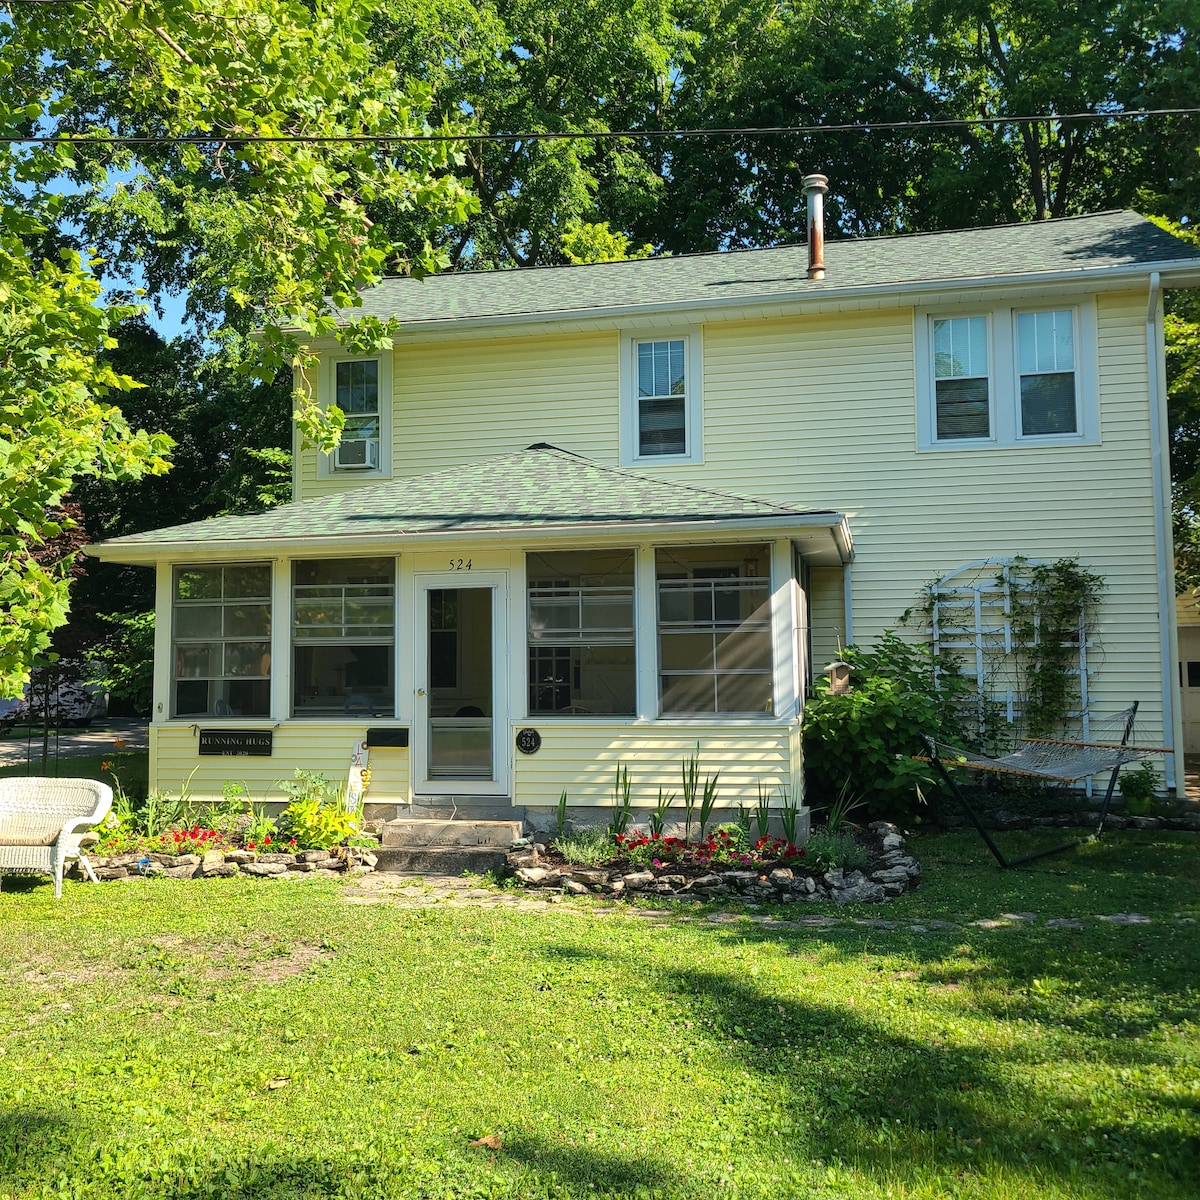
(815, 187)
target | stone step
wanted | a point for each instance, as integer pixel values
(439, 860)
(412, 833)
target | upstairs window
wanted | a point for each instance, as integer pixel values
(1046, 359)
(962, 382)
(222, 640)
(581, 633)
(359, 387)
(660, 388)
(1007, 376)
(343, 637)
(714, 630)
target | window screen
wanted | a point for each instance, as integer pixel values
(662, 397)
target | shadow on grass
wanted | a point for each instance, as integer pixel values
(858, 1093)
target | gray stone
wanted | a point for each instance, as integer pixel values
(288, 860)
(184, 870)
(538, 876)
(894, 889)
(613, 887)
(1191, 821)
(588, 876)
(882, 828)
(212, 862)
(107, 873)
(312, 856)
(739, 879)
(357, 869)
(88, 840)
(224, 871)
(238, 857)
(1004, 819)
(782, 876)
(520, 843)
(808, 884)
(522, 858)
(1126, 919)
(676, 881)
(575, 887)
(1115, 821)
(1019, 916)
(864, 892)
(122, 860)
(264, 868)
(187, 860)
(304, 867)
(891, 875)
(1144, 822)
(370, 861)
(708, 883)
(638, 879)
(834, 878)
(893, 841)
(1064, 923)
(539, 847)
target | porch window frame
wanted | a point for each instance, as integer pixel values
(693, 367)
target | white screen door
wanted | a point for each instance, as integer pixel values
(460, 731)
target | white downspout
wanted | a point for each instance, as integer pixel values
(1156, 378)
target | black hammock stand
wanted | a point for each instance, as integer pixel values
(1044, 759)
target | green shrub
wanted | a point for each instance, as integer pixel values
(861, 744)
(316, 816)
(825, 851)
(1139, 789)
(588, 847)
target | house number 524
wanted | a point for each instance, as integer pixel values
(460, 564)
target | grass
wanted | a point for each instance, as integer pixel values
(131, 766)
(249, 1038)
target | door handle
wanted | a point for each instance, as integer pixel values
(420, 691)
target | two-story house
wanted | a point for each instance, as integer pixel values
(596, 515)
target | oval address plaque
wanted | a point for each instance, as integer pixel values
(529, 741)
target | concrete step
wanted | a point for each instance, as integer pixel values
(413, 833)
(439, 860)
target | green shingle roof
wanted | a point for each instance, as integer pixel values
(1084, 244)
(538, 488)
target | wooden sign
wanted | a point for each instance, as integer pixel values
(241, 742)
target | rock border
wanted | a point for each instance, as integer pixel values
(217, 864)
(894, 872)
(1002, 819)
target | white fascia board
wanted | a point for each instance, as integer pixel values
(340, 546)
(1173, 272)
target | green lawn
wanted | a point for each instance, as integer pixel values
(132, 767)
(247, 1038)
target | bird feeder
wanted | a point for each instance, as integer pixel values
(839, 678)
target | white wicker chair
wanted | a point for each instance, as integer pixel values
(43, 820)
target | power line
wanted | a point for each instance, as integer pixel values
(596, 135)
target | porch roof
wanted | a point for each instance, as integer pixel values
(541, 488)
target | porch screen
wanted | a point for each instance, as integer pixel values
(581, 652)
(714, 629)
(222, 640)
(343, 637)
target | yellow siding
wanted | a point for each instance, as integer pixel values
(314, 747)
(583, 759)
(827, 615)
(456, 403)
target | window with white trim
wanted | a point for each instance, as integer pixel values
(1005, 376)
(714, 630)
(360, 388)
(660, 398)
(221, 640)
(343, 637)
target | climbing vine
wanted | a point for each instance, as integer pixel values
(1052, 616)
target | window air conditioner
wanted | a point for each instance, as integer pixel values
(357, 454)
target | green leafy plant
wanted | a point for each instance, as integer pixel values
(789, 814)
(708, 800)
(826, 851)
(1139, 788)
(317, 816)
(658, 818)
(588, 847)
(622, 805)
(560, 814)
(260, 828)
(837, 812)
(691, 786)
(867, 737)
(158, 813)
(762, 812)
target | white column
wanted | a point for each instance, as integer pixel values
(281, 639)
(645, 609)
(164, 660)
(784, 623)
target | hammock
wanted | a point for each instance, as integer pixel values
(1053, 759)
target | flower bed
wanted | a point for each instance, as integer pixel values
(219, 862)
(770, 869)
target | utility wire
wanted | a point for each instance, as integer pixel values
(597, 135)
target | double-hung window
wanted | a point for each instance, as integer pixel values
(581, 632)
(343, 637)
(359, 387)
(1006, 376)
(714, 630)
(660, 393)
(222, 640)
